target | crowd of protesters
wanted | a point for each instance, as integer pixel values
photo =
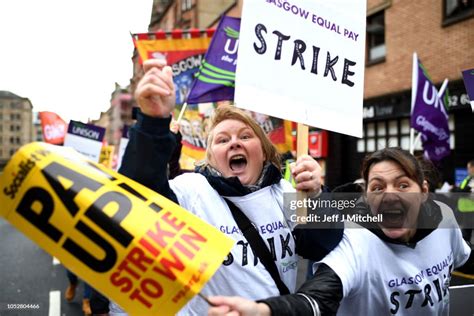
(401, 265)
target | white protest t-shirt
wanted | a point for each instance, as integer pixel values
(380, 278)
(241, 273)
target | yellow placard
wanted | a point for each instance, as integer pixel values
(136, 247)
(107, 155)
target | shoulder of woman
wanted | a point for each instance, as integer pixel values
(189, 178)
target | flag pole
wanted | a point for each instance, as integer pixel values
(443, 86)
(414, 86)
(301, 149)
(181, 113)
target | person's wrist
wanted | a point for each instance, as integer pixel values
(263, 309)
(155, 113)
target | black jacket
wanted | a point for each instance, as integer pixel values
(151, 145)
(326, 288)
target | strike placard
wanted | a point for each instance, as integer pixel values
(303, 61)
(136, 247)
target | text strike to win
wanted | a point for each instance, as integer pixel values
(130, 277)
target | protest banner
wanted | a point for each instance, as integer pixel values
(85, 139)
(184, 54)
(131, 244)
(428, 113)
(107, 155)
(468, 76)
(122, 146)
(53, 126)
(215, 80)
(303, 61)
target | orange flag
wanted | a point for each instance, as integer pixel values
(54, 128)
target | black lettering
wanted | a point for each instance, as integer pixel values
(396, 304)
(427, 291)
(285, 246)
(131, 190)
(329, 64)
(438, 289)
(271, 243)
(259, 29)
(228, 260)
(155, 207)
(411, 297)
(244, 252)
(39, 219)
(346, 72)
(55, 170)
(300, 47)
(111, 225)
(314, 66)
(281, 38)
(98, 265)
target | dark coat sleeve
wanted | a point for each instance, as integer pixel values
(148, 152)
(315, 240)
(324, 290)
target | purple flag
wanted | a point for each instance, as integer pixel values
(429, 115)
(215, 80)
(468, 76)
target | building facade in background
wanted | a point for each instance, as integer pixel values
(441, 33)
(16, 124)
(118, 115)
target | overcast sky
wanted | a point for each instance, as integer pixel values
(65, 55)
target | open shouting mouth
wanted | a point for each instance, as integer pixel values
(393, 217)
(237, 163)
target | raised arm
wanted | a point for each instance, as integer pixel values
(151, 142)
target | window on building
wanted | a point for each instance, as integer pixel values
(376, 37)
(12, 152)
(186, 5)
(457, 10)
(393, 133)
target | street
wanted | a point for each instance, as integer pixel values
(31, 283)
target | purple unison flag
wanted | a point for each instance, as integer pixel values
(429, 115)
(215, 80)
(468, 76)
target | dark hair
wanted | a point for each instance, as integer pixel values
(403, 158)
(431, 173)
(471, 162)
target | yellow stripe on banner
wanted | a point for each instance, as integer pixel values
(167, 45)
(143, 251)
(193, 152)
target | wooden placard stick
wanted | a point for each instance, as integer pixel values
(301, 149)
